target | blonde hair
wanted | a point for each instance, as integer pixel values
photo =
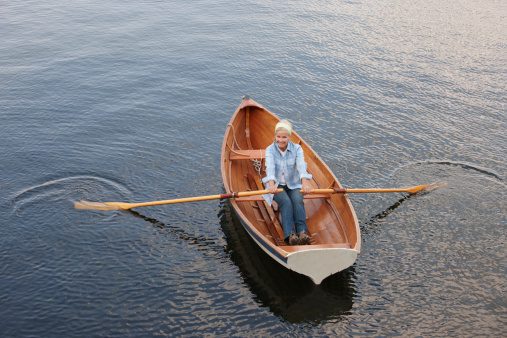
(285, 125)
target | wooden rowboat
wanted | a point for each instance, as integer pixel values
(332, 222)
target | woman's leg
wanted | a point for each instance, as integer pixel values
(285, 207)
(299, 209)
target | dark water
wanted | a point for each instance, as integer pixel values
(128, 101)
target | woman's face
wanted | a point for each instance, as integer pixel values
(282, 139)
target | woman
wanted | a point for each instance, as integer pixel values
(286, 168)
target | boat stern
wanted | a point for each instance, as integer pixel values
(320, 263)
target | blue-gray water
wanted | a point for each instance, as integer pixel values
(128, 101)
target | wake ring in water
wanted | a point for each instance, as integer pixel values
(463, 165)
(68, 189)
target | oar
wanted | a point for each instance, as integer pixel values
(125, 206)
(411, 190)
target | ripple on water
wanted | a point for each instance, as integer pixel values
(68, 189)
(466, 166)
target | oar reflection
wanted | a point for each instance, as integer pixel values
(367, 226)
(203, 244)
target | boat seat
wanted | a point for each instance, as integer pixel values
(247, 154)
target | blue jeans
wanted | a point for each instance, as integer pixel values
(292, 210)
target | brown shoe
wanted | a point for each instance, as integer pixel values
(304, 239)
(293, 239)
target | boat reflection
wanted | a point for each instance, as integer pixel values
(292, 296)
(287, 294)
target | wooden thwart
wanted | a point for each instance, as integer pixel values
(250, 154)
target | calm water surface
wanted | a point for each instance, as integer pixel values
(128, 101)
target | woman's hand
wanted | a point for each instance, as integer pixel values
(272, 187)
(306, 186)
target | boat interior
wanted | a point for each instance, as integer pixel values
(330, 218)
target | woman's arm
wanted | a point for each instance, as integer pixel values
(303, 174)
(270, 179)
(301, 164)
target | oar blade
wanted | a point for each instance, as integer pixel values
(426, 187)
(87, 205)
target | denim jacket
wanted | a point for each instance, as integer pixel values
(296, 166)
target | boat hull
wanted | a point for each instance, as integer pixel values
(332, 222)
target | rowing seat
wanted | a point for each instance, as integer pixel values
(247, 154)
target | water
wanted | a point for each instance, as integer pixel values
(128, 101)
